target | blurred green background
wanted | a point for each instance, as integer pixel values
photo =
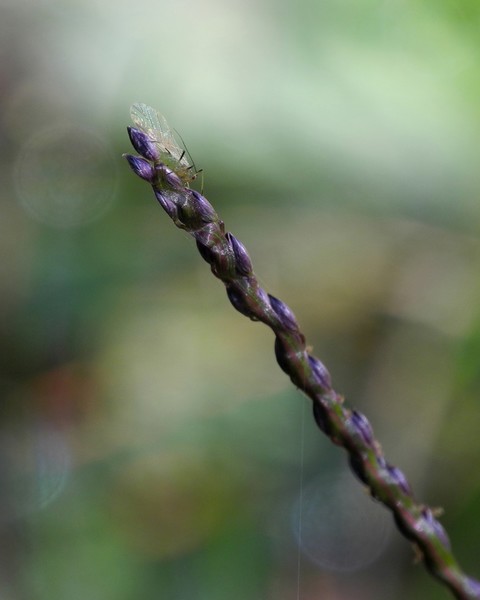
(149, 445)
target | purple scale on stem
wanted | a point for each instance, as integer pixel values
(167, 176)
(205, 252)
(358, 468)
(202, 208)
(399, 479)
(166, 203)
(436, 527)
(281, 356)
(362, 427)
(320, 372)
(472, 586)
(406, 531)
(238, 302)
(143, 144)
(243, 264)
(284, 313)
(320, 414)
(141, 167)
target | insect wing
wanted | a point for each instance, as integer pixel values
(156, 127)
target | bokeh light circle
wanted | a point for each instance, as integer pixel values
(36, 466)
(65, 176)
(342, 529)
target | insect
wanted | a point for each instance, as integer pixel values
(169, 143)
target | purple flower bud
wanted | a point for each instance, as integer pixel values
(358, 468)
(206, 253)
(281, 356)
(143, 144)
(320, 414)
(431, 526)
(238, 302)
(320, 372)
(381, 465)
(165, 200)
(435, 527)
(243, 264)
(208, 239)
(166, 175)
(203, 209)
(263, 296)
(292, 363)
(195, 211)
(399, 479)
(284, 313)
(472, 587)
(141, 167)
(361, 427)
(404, 528)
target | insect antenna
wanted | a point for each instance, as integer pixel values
(186, 152)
